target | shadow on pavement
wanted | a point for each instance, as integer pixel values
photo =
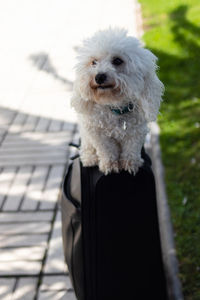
(43, 62)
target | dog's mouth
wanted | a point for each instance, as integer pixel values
(102, 86)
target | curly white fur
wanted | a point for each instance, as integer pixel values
(113, 141)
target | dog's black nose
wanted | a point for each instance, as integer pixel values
(100, 78)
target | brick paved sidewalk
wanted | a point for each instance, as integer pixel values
(32, 161)
(37, 55)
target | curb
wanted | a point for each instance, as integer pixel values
(166, 230)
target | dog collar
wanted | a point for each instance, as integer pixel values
(123, 109)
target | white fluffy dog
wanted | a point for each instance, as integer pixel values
(116, 93)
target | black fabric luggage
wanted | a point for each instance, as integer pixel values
(111, 235)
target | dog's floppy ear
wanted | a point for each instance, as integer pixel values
(153, 88)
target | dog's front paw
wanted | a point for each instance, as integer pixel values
(131, 165)
(89, 161)
(109, 166)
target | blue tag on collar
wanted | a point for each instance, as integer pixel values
(122, 110)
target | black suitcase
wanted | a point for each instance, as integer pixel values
(111, 234)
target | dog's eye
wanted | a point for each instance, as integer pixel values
(117, 61)
(94, 62)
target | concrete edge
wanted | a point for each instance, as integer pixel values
(166, 229)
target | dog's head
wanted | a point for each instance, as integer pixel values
(114, 69)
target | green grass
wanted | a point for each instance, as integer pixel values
(172, 32)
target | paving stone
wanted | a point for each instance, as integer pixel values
(6, 116)
(62, 295)
(25, 217)
(68, 126)
(22, 267)
(56, 283)
(55, 257)
(52, 189)
(30, 123)
(18, 122)
(6, 288)
(17, 189)
(30, 228)
(3, 130)
(43, 125)
(34, 148)
(23, 240)
(54, 159)
(25, 289)
(24, 253)
(55, 125)
(27, 148)
(1, 138)
(6, 177)
(48, 138)
(34, 190)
